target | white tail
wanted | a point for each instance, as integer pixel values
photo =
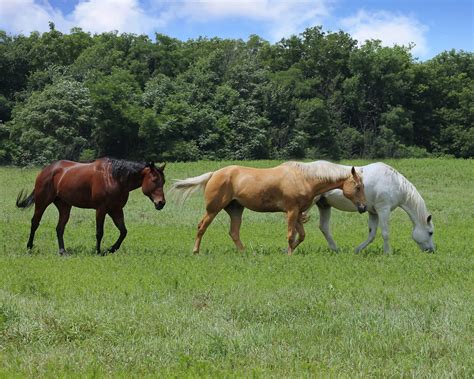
(184, 188)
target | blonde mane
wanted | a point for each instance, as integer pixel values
(323, 170)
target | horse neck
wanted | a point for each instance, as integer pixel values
(133, 182)
(413, 204)
(321, 186)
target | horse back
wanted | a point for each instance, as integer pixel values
(259, 189)
(83, 185)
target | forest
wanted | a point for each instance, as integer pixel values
(314, 95)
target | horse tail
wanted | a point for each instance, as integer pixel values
(184, 188)
(23, 200)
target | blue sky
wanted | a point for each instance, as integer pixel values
(433, 26)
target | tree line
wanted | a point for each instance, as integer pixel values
(314, 95)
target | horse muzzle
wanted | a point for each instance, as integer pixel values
(361, 208)
(160, 205)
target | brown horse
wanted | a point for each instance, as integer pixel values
(290, 188)
(103, 185)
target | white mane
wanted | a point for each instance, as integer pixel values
(323, 170)
(413, 197)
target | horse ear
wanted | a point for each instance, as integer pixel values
(353, 172)
(428, 220)
(162, 167)
(150, 164)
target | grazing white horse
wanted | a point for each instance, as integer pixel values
(385, 190)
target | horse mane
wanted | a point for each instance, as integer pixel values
(123, 170)
(413, 197)
(323, 170)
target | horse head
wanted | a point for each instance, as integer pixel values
(423, 235)
(353, 189)
(153, 182)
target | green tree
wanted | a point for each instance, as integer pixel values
(313, 120)
(52, 124)
(116, 100)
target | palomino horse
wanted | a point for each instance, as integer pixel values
(103, 185)
(290, 188)
(385, 190)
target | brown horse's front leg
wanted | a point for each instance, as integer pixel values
(117, 217)
(99, 227)
(292, 216)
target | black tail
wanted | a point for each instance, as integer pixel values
(24, 200)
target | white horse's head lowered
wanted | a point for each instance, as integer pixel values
(423, 235)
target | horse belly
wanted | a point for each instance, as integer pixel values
(265, 200)
(336, 199)
(75, 189)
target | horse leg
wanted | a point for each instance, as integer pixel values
(118, 219)
(64, 210)
(384, 217)
(301, 233)
(292, 219)
(324, 217)
(202, 226)
(35, 221)
(235, 211)
(99, 227)
(373, 224)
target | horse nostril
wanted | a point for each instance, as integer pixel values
(362, 208)
(160, 204)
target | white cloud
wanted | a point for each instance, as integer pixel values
(282, 18)
(389, 28)
(107, 15)
(23, 16)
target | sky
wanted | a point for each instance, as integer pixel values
(433, 26)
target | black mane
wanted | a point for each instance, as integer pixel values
(124, 170)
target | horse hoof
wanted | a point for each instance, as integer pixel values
(111, 250)
(63, 252)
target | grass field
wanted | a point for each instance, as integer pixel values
(154, 309)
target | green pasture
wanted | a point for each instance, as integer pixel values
(154, 309)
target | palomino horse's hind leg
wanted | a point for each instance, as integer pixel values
(205, 222)
(119, 221)
(292, 216)
(64, 212)
(235, 210)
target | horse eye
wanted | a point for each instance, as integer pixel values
(430, 233)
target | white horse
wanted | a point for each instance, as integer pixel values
(385, 190)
